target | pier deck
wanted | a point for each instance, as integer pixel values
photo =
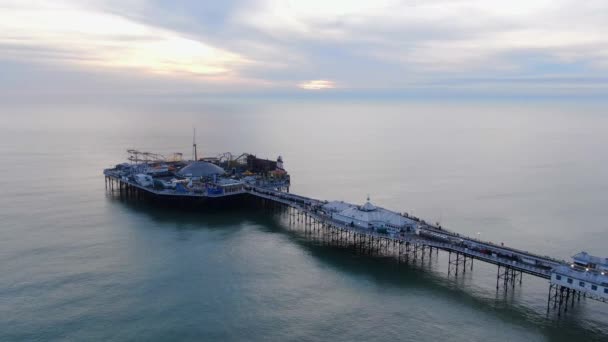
(512, 263)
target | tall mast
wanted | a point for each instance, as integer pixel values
(194, 144)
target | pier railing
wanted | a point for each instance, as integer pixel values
(511, 262)
(310, 205)
(312, 208)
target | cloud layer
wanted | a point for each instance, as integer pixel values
(538, 47)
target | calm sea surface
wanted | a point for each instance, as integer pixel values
(77, 263)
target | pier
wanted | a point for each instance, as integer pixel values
(368, 229)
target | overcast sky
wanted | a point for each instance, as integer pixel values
(275, 48)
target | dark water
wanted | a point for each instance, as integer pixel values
(78, 264)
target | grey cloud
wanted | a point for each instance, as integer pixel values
(382, 51)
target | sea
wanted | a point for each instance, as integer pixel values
(78, 263)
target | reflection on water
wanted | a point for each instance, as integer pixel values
(422, 277)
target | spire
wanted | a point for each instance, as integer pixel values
(194, 144)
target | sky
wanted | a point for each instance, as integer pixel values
(157, 48)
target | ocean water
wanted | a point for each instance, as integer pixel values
(77, 263)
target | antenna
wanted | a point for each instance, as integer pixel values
(194, 144)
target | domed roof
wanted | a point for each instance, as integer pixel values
(201, 169)
(368, 206)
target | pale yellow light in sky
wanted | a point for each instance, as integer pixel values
(317, 85)
(106, 40)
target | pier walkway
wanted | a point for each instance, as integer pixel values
(431, 236)
(413, 243)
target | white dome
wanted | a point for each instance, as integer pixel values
(201, 169)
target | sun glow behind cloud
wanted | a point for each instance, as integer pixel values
(317, 85)
(71, 34)
(271, 46)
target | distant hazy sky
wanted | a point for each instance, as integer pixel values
(265, 47)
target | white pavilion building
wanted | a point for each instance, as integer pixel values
(369, 216)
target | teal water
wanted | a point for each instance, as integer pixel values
(79, 264)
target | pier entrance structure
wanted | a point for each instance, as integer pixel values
(370, 229)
